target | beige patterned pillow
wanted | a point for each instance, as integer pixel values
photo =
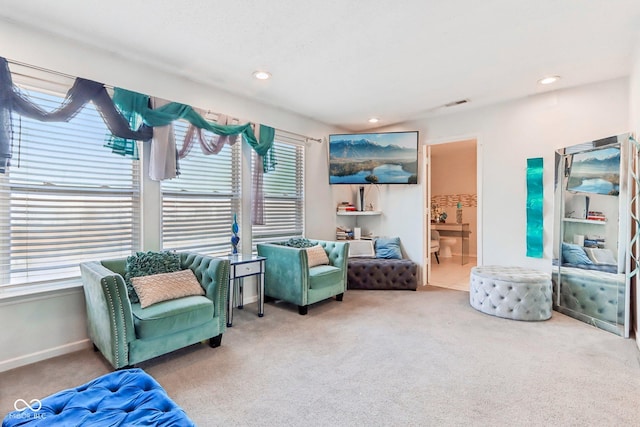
(166, 286)
(316, 256)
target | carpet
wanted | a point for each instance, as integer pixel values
(382, 358)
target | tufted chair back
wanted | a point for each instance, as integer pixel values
(335, 252)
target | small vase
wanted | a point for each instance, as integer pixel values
(459, 216)
(235, 239)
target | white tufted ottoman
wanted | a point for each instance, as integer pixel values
(511, 292)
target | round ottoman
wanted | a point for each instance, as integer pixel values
(511, 292)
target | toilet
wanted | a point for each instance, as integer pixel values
(445, 246)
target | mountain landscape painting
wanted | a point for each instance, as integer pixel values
(374, 158)
(596, 171)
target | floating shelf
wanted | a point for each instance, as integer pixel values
(359, 213)
(585, 221)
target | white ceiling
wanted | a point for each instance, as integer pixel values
(343, 61)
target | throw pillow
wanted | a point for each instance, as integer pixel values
(166, 286)
(317, 256)
(148, 263)
(574, 254)
(361, 249)
(388, 248)
(299, 242)
(601, 256)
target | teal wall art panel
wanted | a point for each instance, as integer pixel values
(535, 241)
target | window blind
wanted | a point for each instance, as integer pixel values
(198, 205)
(65, 199)
(283, 192)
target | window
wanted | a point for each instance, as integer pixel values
(198, 205)
(64, 200)
(283, 193)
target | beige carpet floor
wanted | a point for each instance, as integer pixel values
(382, 358)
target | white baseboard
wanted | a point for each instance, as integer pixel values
(16, 362)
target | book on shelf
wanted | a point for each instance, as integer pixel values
(593, 244)
(346, 207)
(343, 233)
(594, 241)
(596, 216)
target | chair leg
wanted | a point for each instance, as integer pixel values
(339, 297)
(303, 309)
(437, 259)
(215, 341)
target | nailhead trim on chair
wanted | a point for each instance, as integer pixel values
(113, 317)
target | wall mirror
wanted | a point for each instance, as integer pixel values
(592, 232)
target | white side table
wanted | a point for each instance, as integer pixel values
(241, 266)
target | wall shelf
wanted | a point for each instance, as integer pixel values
(359, 213)
(585, 221)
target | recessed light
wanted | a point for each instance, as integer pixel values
(548, 80)
(374, 120)
(262, 75)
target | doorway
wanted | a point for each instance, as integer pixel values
(452, 205)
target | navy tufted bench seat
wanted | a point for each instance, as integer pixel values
(121, 398)
(378, 273)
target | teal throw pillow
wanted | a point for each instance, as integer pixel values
(299, 242)
(388, 247)
(574, 254)
(147, 264)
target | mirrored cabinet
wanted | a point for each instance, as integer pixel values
(592, 261)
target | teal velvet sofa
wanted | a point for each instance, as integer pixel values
(127, 334)
(288, 276)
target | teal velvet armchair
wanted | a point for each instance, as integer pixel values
(289, 278)
(127, 334)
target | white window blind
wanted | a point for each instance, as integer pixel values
(65, 199)
(198, 205)
(283, 193)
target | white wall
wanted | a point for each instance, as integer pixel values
(508, 134)
(54, 323)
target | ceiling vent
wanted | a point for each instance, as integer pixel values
(454, 103)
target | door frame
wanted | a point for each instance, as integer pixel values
(426, 184)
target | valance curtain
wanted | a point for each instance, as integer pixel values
(82, 91)
(212, 146)
(160, 115)
(133, 109)
(136, 105)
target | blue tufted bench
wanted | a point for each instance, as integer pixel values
(126, 397)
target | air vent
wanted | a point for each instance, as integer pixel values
(454, 103)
